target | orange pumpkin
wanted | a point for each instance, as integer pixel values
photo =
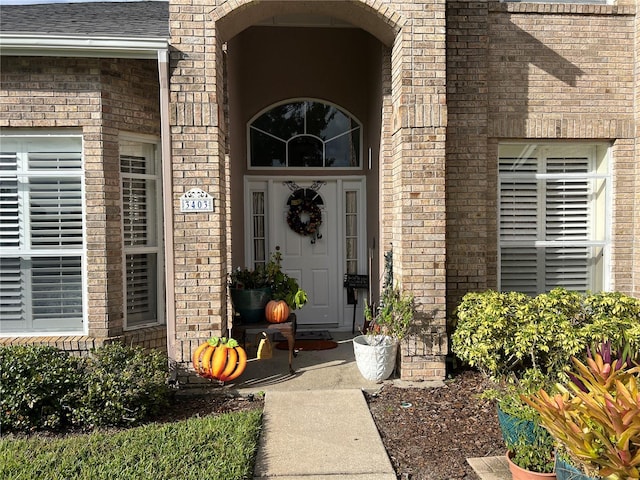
(277, 311)
(220, 359)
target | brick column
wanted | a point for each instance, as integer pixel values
(470, 215)
(415, 173)
(636, 203)
(198, 159)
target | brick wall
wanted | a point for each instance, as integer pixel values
(518, 71)
(635, 272)
(413, 133)
(414, 175)
(470, 205)
(198, 158)
(148, 338)
(100, 98)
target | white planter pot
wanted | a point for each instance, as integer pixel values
(375, 356)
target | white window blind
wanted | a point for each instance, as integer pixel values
(56, 292)
(41, 235)
(351, 231)
(55, 212)
(549, 199)
(12, 305)
(141, 271)
(259, 231)
(141, 232)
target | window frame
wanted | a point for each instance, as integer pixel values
(598, 229)
(324, 168)
(27, 252)
(145, 142)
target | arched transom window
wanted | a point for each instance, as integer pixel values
(304, 133)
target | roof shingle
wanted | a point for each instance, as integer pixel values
(110, 19)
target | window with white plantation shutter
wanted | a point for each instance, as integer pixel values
(141, 233)
(552, 216)
(55, 212)
(41, 235)
(351, 231)
(259, 232)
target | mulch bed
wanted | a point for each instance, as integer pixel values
(432, 438)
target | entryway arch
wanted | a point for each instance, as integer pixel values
(340, 52)
(290, 72)
(381, 20)
(235, 59)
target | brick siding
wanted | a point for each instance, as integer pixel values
(524, 71)
(457, 78)
(100, 98)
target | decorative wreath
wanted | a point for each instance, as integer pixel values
(302, 204)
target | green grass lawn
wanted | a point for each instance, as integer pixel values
(213, 447)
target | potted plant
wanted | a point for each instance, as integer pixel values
(530, 448)
(286, 294)
(376, 350)
(252, 289)
(517, 420)
(595, 417)
(532, 460)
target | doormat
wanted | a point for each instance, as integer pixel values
(309, 335)
(308, 345)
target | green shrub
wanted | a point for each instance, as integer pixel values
(612, 317)
(547, 335)
(37, 386)
(45, 388)
(505, 334)
(486, 326)
(122, 385)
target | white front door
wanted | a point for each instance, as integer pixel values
(312, 261)
(317, 263)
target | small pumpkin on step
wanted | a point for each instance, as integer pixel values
(277, 311)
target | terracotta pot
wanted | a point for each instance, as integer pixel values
(518, 473)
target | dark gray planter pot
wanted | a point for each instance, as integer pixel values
(250, 303)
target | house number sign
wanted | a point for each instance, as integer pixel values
(196, 200)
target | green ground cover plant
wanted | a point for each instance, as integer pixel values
(215, 447)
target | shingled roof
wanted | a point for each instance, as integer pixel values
(104, 19)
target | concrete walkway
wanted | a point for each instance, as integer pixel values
(320, 434)
(317, 424)
(491, 468)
